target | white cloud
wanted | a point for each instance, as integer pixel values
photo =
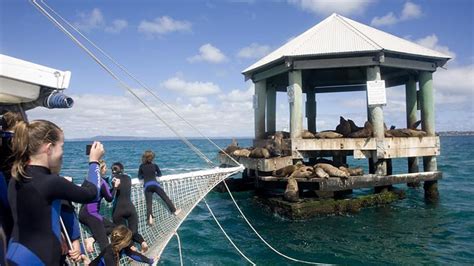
(454, 85)
(239, 96)
(192, 89)
(389, 19)
(90, 21)
(197, 101)
(254, 50)
(325, 7)
(117, 26)
(410, 11)
(431, 41)
(208, 53)
(163, 25)
(95, 21)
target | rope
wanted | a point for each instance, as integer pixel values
(143, 85)
(226, 235)
(261, 238)
(121, 83)
(179, 248)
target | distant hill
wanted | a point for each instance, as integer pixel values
(125, 138)
(456, 133)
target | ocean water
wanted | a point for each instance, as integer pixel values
(408, 232)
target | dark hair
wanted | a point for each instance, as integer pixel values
(117, 168)
(27, 141)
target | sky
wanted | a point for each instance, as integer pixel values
(192, 53)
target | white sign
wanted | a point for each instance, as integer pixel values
(376, 92)
(290, 90)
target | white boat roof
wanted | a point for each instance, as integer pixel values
(337, 35)
(21, 81)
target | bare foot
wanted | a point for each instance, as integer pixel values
(144, 247)
(89, 243)
(177, 212)
(150, 220)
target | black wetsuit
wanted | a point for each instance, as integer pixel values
(36, 206)
(124, 210)
(106, 257)
(89, 215)
(149, 172)
(6, 163)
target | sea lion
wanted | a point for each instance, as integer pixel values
(303, 172)
(306, 134)
(415, 125)
(232, 147)
(259, 153)
(332, 170)
(366, 132)
(291, 192)
(354, 127)
(287, 170)
(405, 132)
(327, 135)
(352, 171)
(241, 153)
(319, 172)
(344, 127)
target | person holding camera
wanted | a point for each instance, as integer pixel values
(124, 211)
(90, 216)
(149, 171)
(36, 191)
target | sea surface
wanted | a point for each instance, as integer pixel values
(408, 232)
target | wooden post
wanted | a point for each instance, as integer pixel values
(271, 109)
(428, 125)
(296, 103)
(376, 119)
(311, 109)
(259, 107)
(411, 113)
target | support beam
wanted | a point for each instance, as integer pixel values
(296, 103)
(428, 124)
(311, 109)
(376, 119)
(259, 108)
(271, 109)
(411, 112)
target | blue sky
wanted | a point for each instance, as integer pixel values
(192, 54)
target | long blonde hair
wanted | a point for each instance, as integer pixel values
(148, 156)
(120, 238)
(27, 141)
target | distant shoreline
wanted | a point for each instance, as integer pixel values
(129, 138)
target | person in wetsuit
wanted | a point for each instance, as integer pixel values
(36, 191)
(148, 171)
(124, 211)
(121, 244)
(8, 122)
(90, 216)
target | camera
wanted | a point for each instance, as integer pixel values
(88, 149)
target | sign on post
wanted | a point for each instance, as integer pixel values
(376, 92)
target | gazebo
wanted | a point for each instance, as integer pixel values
(341, 55)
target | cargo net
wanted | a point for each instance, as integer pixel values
(185, 190)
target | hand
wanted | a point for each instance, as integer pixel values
(116, 182)
(85, 259)
(75, 252)
(97, 151)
